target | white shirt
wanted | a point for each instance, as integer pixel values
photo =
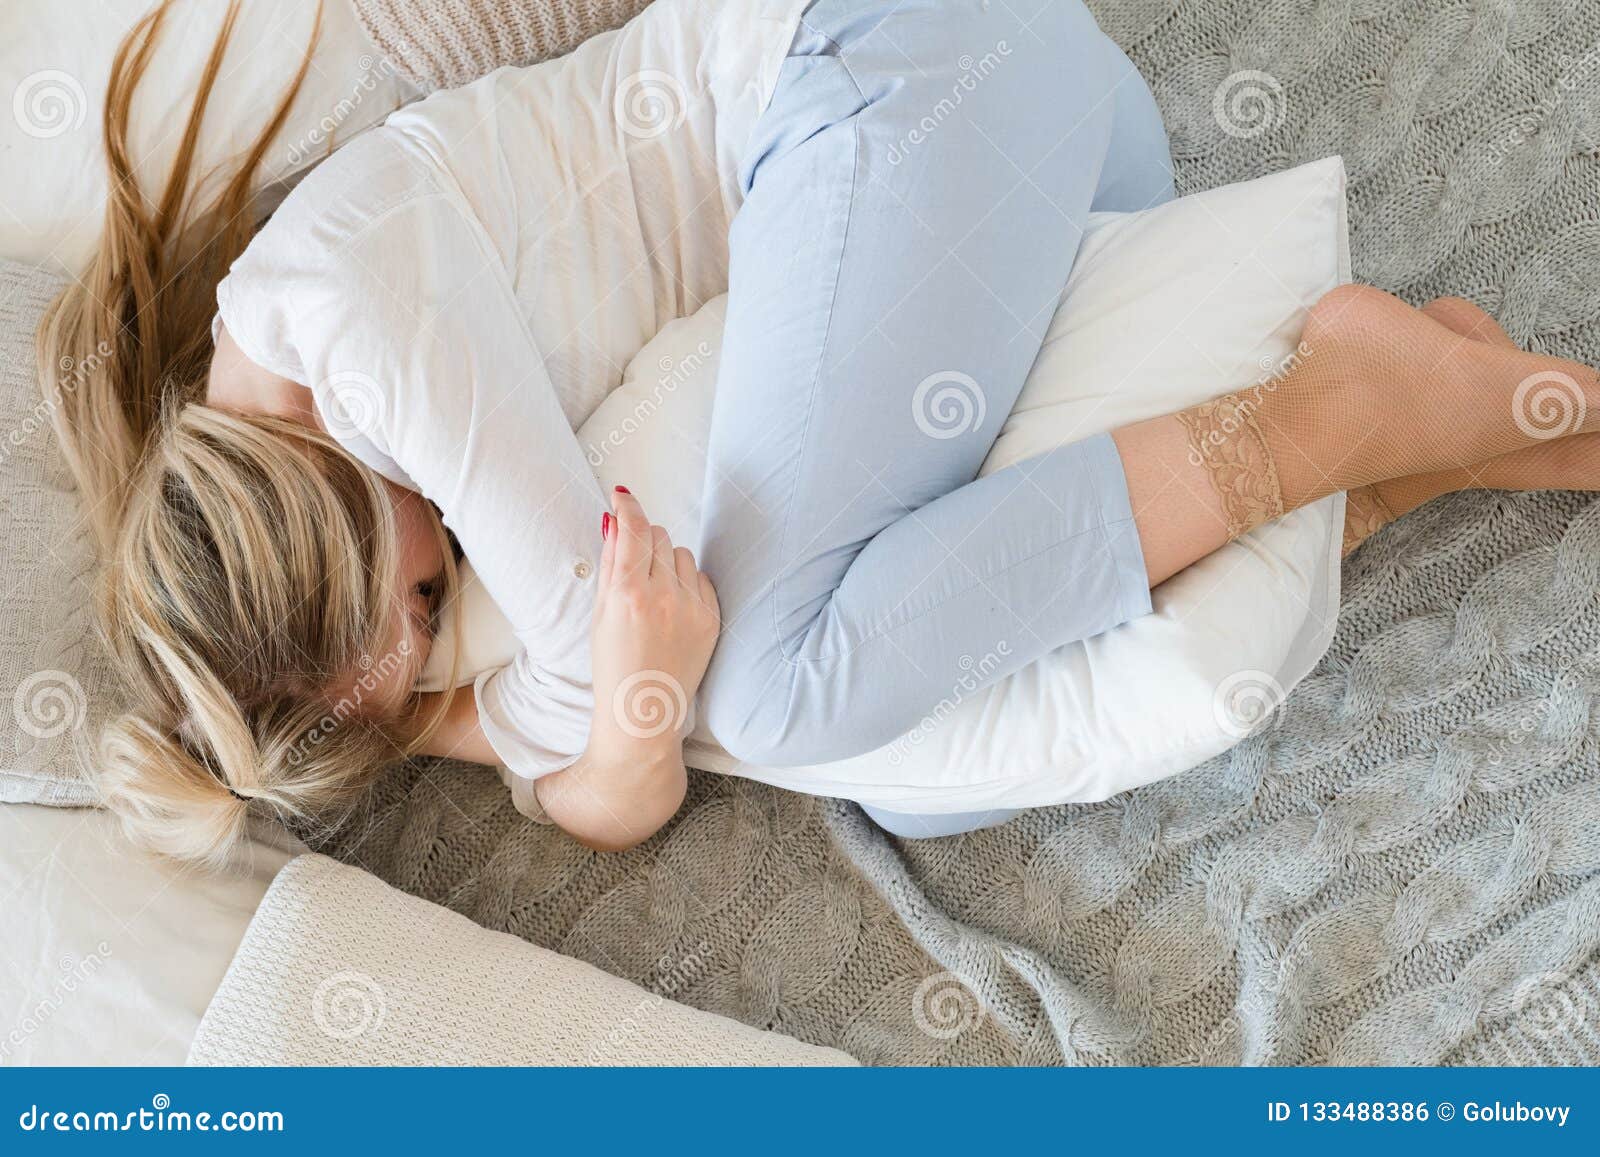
(460, 287)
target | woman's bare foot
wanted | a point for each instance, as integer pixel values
(1564, 463)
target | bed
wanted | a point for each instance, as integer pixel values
(108, 957)
(1355, 859)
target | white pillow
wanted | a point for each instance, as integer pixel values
(55, 60)
(112, 955)
(1164, 308)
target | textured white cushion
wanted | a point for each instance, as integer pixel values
(1164, 308)
(55, 60)
(56, 684)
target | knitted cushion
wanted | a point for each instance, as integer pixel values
(443, 43)
(52, 671)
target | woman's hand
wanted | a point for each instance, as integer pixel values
(655, 624)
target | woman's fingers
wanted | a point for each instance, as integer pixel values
(635, 541)
(608, 550)
(708, 597)
(687, 572)
(661, 565)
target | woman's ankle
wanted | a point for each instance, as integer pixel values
(1384, 391)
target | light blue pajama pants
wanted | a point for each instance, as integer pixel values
(915, 195)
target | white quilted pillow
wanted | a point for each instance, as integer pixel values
(1164, 308)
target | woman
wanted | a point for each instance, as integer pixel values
(903, 223)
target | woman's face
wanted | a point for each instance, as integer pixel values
(387, 680)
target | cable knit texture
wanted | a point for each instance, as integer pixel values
(1403, 865)
(54, 675)
(445, 43)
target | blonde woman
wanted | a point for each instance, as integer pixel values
(292, 417)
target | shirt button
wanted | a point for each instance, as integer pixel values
(582, 569)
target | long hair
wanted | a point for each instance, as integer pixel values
(250, 563)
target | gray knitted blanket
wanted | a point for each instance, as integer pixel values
(1403, 867)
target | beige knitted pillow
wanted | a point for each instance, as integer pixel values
(446, 43)
(54, 677)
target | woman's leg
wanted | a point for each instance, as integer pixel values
(1566, 463)
(899, 247)
(1383, 392)
(915, 201)
(923, 827)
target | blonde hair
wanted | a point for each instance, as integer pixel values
(251, 563)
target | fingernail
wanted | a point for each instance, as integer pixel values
(623, 490)
(605, 525)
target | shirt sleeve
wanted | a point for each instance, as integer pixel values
(406, 329)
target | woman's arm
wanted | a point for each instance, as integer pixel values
(655, 623)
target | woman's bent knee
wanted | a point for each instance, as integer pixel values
(762, 712)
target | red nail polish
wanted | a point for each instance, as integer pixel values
(605, 525)
(623, 490)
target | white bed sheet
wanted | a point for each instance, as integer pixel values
(108, 957)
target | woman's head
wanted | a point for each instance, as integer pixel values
(254, 607)
(265, 596)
